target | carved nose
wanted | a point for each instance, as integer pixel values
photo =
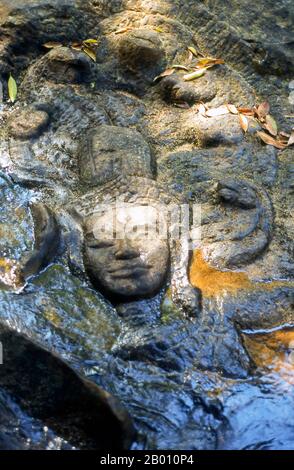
(126, 251)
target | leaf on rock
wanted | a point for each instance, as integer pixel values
(12, 89)
(193, 51)
(201, 109)
(182, 104)
(220, 111)
(246, 111)
(90, 52)
(291, 139)
(284, 135)
(209, 62)
(52, 44)
(193, 75)
(243, 122)
(94, 42)
(232, 108)
(263, 109)
(180, 67)
(271, 125)
(77, 47)
(158, 29)
(123, 30)
(269, 140)
(165, 73)
(190, 57)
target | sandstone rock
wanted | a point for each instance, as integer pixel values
(174, 89)
(60, 65)
(141, 49)
(27, 123)
(110, 151)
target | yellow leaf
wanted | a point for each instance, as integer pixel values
(12, 89)
(209, 62)
(91, 41)
(90, 52)
(159, 29)
(193, 75)
(243, 122)
(193, 51)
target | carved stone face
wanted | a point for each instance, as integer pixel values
(124, 253)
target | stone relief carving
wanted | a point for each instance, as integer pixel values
(83, 135)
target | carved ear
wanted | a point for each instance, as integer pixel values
(47, 240)
(71, 223)
(185, 296)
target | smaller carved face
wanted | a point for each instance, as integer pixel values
(124, 253)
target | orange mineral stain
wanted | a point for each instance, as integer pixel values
(212, 281)
(273, 351)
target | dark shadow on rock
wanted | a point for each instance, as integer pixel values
(48, 389)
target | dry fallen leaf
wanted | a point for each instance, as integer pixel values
(271, 125)
(52, 44)
(190, 57)
(12, 89)
(201, 109)
(246, 111)
(166, 73)
(180, 67)
(291, 139)
(193, 75)
(77, 46)
(123, 30)
(282, 139)
(182, 104)
(209, 62)
(243, 122)
(220, 111)
(232, 108)
(284, 135)
(269, 140)
(263, 109)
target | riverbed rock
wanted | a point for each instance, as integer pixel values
(27, 123)
(182, 365)
(55, 393)
(130, 155)
(174, 89)
(141, 50)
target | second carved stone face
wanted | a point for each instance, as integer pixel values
(124, 253)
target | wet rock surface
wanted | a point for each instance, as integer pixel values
(173, 335)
